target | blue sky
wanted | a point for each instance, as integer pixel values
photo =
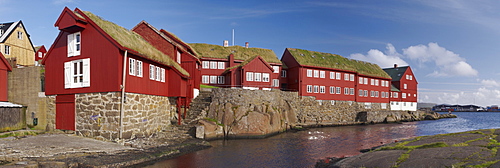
(451, 45)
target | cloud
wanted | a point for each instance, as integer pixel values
(383, 59)
(61, 2)
(490, 83)
(447, 63)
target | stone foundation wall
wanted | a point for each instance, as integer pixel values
(98, 115)
(240, 113)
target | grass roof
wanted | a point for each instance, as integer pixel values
(134, 41)
(320, 59)
(239, 52)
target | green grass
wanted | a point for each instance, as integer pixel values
(16, 134)
(239, 52)
(208, 86)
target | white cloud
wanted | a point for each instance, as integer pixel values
(447, 63)
(490, 83)
(383, 59)
(61, 2)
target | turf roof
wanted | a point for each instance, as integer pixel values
(239, 52)
(320, 59)
(134, 41)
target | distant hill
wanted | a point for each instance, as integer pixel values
(425, 105)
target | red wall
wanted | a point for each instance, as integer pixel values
(258, 66)
(3, 83)
(411, 91)
(369, 88)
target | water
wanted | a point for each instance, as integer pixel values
(304, 148)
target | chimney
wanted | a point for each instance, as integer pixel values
(395, 65)
(246, 44)
(226, 43)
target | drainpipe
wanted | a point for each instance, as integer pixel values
(123, 94)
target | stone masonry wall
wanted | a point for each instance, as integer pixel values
(240, 113)
(98, 115)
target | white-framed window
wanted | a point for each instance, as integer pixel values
(376, 93)
(365, 81)
(351, 77)
(372, 93)
(213, 79)
(221, 80)
(221, 65)
(20, 35)
(258, 77)
(139, 68)
(321, 89)
(152, 72)
(178, 56)
(77, 73)
(276, 69)
(309, 73)
(205, 64)
(382, 94)
(372, 82)
(276, 82)
(338, 75)
(283, 73)
(265, 77)
(213, 64)
(376, 82)
(249, 76)
(131, 67)
(411, 77)
(338, 90)
(360, 80)
(205, 79)
(316, 88)
(414, 95)
(158, 74)
(322, 74)
(309, 89)
(332, 75)
(316, 73)
(40, 54)
(405, 86)
(7, 50)
(351, 91)
(74, 44)
(346, 91)
(332, 90)
(403, 95)
(360, 92)
(346, 77)
(365, 93)
(162, 78)
(395, 95)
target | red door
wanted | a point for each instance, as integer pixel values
(65, 112)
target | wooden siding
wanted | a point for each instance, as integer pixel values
(3, 84)
(65, 112)
(21, 49)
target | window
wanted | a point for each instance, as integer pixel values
(337, 75)
(351, 77)
(316, 73)
(205, 64)
(376, 93)
(360, 80)
(338, 90)
(376, 82)
(395, 94)
(20, 35)
(332, 90)
(205, 79)
(372, 81)
(360, 92)
(411, 77)
(213, 64)
(152, 72)
(162, 75)
(213, 79)
(322, 74)
(258, 77)
(178, 56)
(74, 46)
(249, 76)
(316, 90)
(221, 80)
(77, 73)
(283, 73)
(366, 93)
(346, 77)
(139, 68)
(221, 65)
(322, 89)
(276, 69)
(131, 67)
(372, 94)
(365, 81)
(346, 91)
(405, 86)
(309, 73)
(158, 74)
(382, 94)
(40, 54)
(309, 88)
(265, 77)
(351, 90)
(403, 95)
(7, 50)
(332, 75)
(276, 82)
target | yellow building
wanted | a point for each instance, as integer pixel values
(15, 43)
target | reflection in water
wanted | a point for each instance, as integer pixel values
(304, 148)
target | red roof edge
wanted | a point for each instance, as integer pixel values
(2, 58)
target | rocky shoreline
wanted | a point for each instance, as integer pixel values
(465, 149)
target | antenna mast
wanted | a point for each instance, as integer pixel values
(233, 37)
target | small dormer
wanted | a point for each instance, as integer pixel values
(70, 21)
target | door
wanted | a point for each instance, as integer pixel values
(65, 112)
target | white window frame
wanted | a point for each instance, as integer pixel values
(131, 66)
(213, 79)
(395, 94)
(365, 93)
(283, 73)
(276, 69)
(346, 77)
(152, 72)
(19, 35)
(309, 89)
(338, 76)
(205, 64)
(205, 79)
(7, 50)
(332, 89)
(40, 55)
(316, 89)
(346, 91)
(265, 77)
(338, 90)
(365, 81)
(376, 82)
(178, 57)
(162, 77)
(360, 94)
(405, 86)
(221, 80)
(360, 80)
(351, 91)
(74, 44)
(321, 74)
(321, 89)
(139, 68)
(158, 73)
(213, 64)
(79, 78)
(403, 95)
(221, 65)
(316, 73)
(332, 75)
(351, 77)
(276, 82)
(309, 73)
(258, 76)
(249, 76)
(372, 82)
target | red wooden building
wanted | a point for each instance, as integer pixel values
(178, 50)
(40, 52)
(404, 92)
(237, 66)
(104, 75)
(4, 70)
(333, 77)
